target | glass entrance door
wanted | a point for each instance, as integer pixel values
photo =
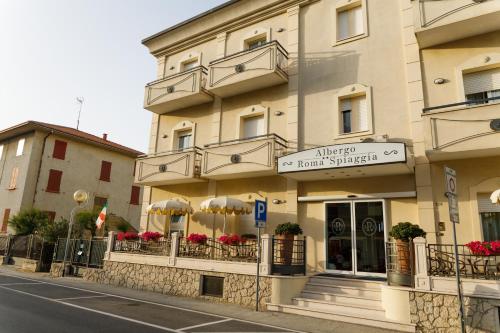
(355, 237)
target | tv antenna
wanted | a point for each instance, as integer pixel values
(79, 101)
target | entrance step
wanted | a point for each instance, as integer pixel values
(380, 322)
(354, 301)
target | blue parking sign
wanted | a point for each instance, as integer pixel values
(260, 213)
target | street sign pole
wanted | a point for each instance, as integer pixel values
(258, 272)
(451, 194)
(260, 222)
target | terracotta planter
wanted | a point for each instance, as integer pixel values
(403, 253)
(286, 248)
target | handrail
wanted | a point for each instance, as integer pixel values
(279, 46)
(203, 69)
(173, 151)
(271, 135)
(476, 101)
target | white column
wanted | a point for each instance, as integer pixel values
(422, 280)
(174, 248)
(110, 246)
(266, 254)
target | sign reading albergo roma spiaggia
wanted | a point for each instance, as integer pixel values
(343, 156)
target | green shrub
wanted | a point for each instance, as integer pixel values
(52, 231)
(406, 231)
(28, 221)
(288, 229)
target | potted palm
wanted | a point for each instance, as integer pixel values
(403, 233)
(285, 233)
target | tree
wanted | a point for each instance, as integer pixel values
(52, 231)
(85, 221)
(28, 221)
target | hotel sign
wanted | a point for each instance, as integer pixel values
(343, 156)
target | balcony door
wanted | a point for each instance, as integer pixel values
(253, 126)
(355, 237)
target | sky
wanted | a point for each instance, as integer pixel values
(53, 51)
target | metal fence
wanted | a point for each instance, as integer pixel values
(288, 256)
(215, 250)
(27, 246)
(4, 244)
(82, 252)
(400, 263)
(441, 262)
(160, 247)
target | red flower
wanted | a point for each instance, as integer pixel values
(197, 238)
(150, 235)
(484, 248)
(231, 239)
(127, 236)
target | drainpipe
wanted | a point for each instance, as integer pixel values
(40, 166)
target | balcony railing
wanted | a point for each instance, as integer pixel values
(177, 91)
(159, 247)
(173, 167)
(248, 70)
(215, 250)
(254, 156)
(441, 262)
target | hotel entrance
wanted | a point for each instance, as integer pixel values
(355, 237)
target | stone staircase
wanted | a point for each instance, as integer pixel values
(342, 299)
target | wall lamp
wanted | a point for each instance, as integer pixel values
(278, 201)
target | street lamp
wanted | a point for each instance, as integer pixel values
(80, 196)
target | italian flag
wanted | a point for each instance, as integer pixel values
(101, 217)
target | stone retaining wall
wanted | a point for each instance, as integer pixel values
(56, 269)
(238, 288)
(434, 312)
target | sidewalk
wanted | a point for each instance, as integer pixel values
(293, 322)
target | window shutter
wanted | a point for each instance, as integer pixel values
(362, 113)
(54, 183)
(20, 147)
(51, 215)
(482, 81)
(13, 178)
(134, 195)
(357, 21)
(105, 171)
(253, 126)
(5, 221)
(59, 150)
(343, 24)
(1, 151)
(485, 205)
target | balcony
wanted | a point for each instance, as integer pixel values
(243, 158)
(248, 70)
(169, 168)
(177, 91)
(463, 130)
(439, 21)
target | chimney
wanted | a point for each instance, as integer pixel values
(105, 136)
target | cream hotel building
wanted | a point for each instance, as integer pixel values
(342, 113)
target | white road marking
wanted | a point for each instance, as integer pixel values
(95, 311)
(80, 297)
(19, 283)
(158, 304)
(205, 324)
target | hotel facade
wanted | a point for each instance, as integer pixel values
(342, 114)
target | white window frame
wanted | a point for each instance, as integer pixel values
(182, 127)
(351, 91)
(188, 58)
(183, 134)
(251, 111)
(343, 5)
(20, 146)
(255, 34)
(1, 151)
(474, 64)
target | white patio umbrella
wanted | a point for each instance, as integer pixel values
(495, 197)
(170, 207)
(225, 205)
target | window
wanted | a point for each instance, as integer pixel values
(99, 202)
(13, 178)
(184, 140)
(255, 42)
(5, 221)
(54, 182)
(354, 114)
(59, 150)
(50, 215)
(490, 218)
(253, 126)
(190, 64)
(482, 85)
(134, 195)
(20, 147)
(350, 22)
(105, 171)
(1, 151)
(212, 285)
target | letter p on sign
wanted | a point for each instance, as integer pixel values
(260, 213)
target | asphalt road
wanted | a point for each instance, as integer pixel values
(32, 305)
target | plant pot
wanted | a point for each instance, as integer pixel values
(286, 248)
(403, 255)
